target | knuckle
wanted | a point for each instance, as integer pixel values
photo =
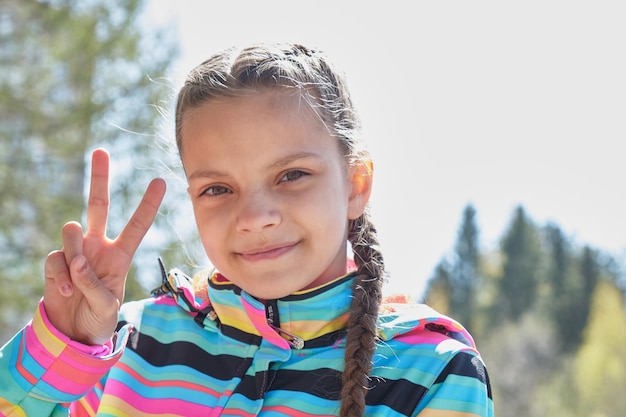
(98, 201)
(138, 223)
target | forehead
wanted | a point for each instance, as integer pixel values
(259, 119)
(291, 103)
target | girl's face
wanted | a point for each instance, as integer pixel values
(271, 193)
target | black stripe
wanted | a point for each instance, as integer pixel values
(465, 364)
(324, 383)
(325, 340)
(223, 367)
(224, 285)
(240, 335)
(184, 353)
(400, 395)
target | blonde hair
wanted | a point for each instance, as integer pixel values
(291, 66)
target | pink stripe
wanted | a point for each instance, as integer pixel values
(74, 371)
(260, 322)
(165, 300)
(68, 380)
(291, 412)
(20, 369)
(237, 413)
(178, 383)
(422, 337)
(155, 406)
(87, 404)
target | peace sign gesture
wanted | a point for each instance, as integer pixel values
(84, 281)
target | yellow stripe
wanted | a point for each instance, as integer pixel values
(8, 409)
(234, 317)
(119, 408)
(310, 329)
(87, 407)
(53, 344)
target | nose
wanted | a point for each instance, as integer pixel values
(257, 212)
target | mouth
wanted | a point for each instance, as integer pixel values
(267, 253)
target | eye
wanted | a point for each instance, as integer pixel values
(215, 190)
(293, 175)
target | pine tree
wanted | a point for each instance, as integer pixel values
(564, 288)
(74, 75)
(518, 285)
(464, 277)
(438, 290)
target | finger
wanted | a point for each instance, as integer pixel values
(98, 203)
(57, 274)
(99, 297)
(72, 237)
(138, 225)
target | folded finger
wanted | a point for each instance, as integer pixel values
(57, 274)
(72, 237)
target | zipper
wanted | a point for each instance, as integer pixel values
(295, 341)
(271, 314)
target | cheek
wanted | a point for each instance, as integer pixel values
(206, 225)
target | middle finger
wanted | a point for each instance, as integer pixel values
(98, 204)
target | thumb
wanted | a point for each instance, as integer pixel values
(98, 296)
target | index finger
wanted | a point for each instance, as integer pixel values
(98, 203)
(141, 220)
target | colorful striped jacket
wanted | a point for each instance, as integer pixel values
(179, 354)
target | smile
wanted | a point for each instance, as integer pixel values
(272, 252)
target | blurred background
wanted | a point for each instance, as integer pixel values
(497, 131)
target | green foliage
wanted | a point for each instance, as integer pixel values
(437, 294)
(590, 382)
(75, 75)
(567, 297)
(519, 283)
(549, 349)
(459, 278)
(600, 366)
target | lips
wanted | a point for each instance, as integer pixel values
(267, 253)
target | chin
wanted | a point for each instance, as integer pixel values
(271, 285)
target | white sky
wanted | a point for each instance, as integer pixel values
(496, 103)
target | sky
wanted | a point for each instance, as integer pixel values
(491, 103)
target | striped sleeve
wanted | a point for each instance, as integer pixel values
(462, 389)
(42, 371)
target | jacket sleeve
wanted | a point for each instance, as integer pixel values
(42, 371)
(462, 388)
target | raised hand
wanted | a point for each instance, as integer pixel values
(84, 282)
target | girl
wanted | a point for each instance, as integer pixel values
(287, 324)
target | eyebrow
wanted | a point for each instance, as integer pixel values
(282, 162)
(295, 157)
(206, 173)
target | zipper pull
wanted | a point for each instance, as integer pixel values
(295, 341)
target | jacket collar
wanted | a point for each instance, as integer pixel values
(311, 318)
(316, 316)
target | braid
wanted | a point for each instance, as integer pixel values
(362, 333)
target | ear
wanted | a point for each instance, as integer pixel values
(361, 176)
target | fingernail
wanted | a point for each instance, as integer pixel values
(66, 289)
(82, 264)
